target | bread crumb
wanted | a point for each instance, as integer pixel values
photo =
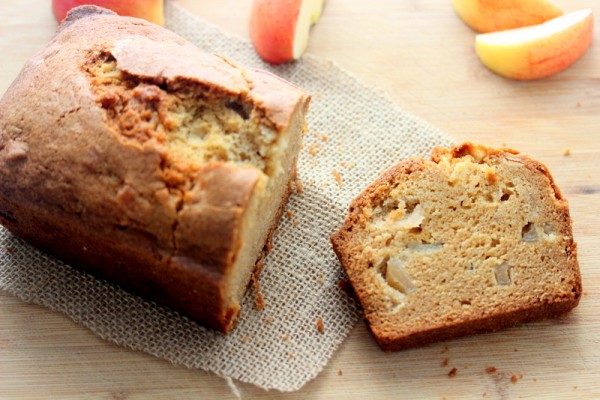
(290, 214)
(291, 356)
(324, 138)
(567, 152)
(245, 339)
(10, 249)
(452, 373)
(351, 165)
(321, 278)
(343, 164)
(295, 223)
(484, 394)
(299, 187)
(259, 301)
(514, 378)
(340, 372)
(445, 362)
(578, 104)
(445, 349)
(268, 320)
(285, 338)
(338, 177)
(490, 370)
(312, 150)
(320, 326)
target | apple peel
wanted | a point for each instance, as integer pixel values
(150, 10)
(280, 29)
(496, 15)
(539, 51)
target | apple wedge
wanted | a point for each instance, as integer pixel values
(150, 10)
(497, 15)
(538, 51)
(279, 29)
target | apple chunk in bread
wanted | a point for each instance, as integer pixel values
(538, 51)
(280, 29)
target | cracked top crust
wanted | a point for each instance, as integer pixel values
(85, 150)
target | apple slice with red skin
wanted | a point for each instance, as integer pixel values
(538, 51)
(498, 15)
(279, 29)
(150, 10)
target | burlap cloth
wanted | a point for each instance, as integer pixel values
(354, 131)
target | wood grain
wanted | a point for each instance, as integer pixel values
(423, 57)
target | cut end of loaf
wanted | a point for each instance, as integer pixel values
(476, 239)
(200, 126)
(197, 124)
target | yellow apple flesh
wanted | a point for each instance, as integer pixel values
(150, 10)
(538, 51)
(279, 29)
(497, 15)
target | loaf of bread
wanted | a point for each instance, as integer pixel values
(130, 153)
(474, 240)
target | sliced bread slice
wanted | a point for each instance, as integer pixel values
(475, 239)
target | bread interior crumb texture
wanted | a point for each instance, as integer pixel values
(460, 238)
(199, 125)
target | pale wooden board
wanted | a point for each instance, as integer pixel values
(422, 55)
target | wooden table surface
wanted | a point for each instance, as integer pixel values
(423, 56)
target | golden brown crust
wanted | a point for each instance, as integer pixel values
(127, 209)
(396, 330)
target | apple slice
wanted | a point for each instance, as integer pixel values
(499, 15)
(150, 10)
(279, 29)
(538, 51)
